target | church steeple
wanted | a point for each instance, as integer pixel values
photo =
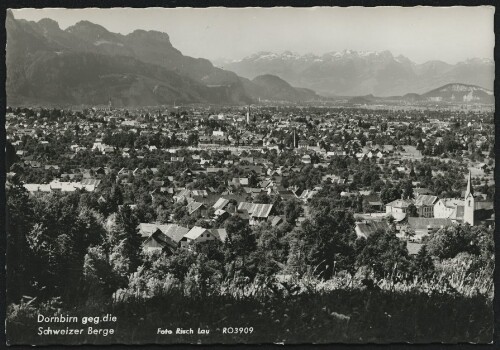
(469, 186)
(469, 202)
(469, 189)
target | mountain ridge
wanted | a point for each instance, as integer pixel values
(355, 73)
(453, 93)
(87, 64)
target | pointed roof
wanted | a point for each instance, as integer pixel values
(469, 186)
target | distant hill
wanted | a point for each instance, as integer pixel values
(450, 93)
(358, 73)
(274, 88)
(87, 64)
(461, 93)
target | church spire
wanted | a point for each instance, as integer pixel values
(469, 203)
(469, 185)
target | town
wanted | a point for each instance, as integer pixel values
(281, 175)
(186, 170)
(184, 205)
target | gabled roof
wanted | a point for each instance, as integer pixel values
(221, 203)
(421, 190)
(173, 231)
(245, 206)
(399, 203)
(193, 206)
(425, 200)
(195, 232)
(308, 194)
(92, 182)
(256, 210)
(146, 229)
(202, 193)
(261, 210)
(184, 193)
(158, 240)
(275, 220)
(252, 189)
(366, 229)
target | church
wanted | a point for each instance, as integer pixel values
(476, 211)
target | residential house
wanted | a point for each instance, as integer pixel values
(425, 205)
(158, 241)
(197, 235)
(397, 206)
(257, 212)
(449, 208)
(196, 209)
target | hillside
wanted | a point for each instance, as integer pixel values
(87, 64)
(461, 93)
(274, 88)
(450, 93)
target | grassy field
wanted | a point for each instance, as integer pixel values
(352, 316)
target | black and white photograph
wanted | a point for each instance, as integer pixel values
(278, 175)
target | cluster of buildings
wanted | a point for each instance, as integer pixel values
(169, 237)
(244, 147)
(432, 214)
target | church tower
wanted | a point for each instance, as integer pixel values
(248, 115)
(469, 202)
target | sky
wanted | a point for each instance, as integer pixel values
(450, 34)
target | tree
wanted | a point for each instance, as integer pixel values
(98, 271)
(20, 218)
(385, 254)
(202, 277)
(296, 259)
(10, 155)
(262, 198)
(412, 210)
(240, 241)
(180, 210)
(292, 210)
(124, 241)
(449, 241)
(178, 264)
(407, 188)
(423, 265)
(329, 240)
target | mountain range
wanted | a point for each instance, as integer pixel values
(353, 73)
(87, 64)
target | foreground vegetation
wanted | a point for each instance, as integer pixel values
(305, 311)
(313, 282)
